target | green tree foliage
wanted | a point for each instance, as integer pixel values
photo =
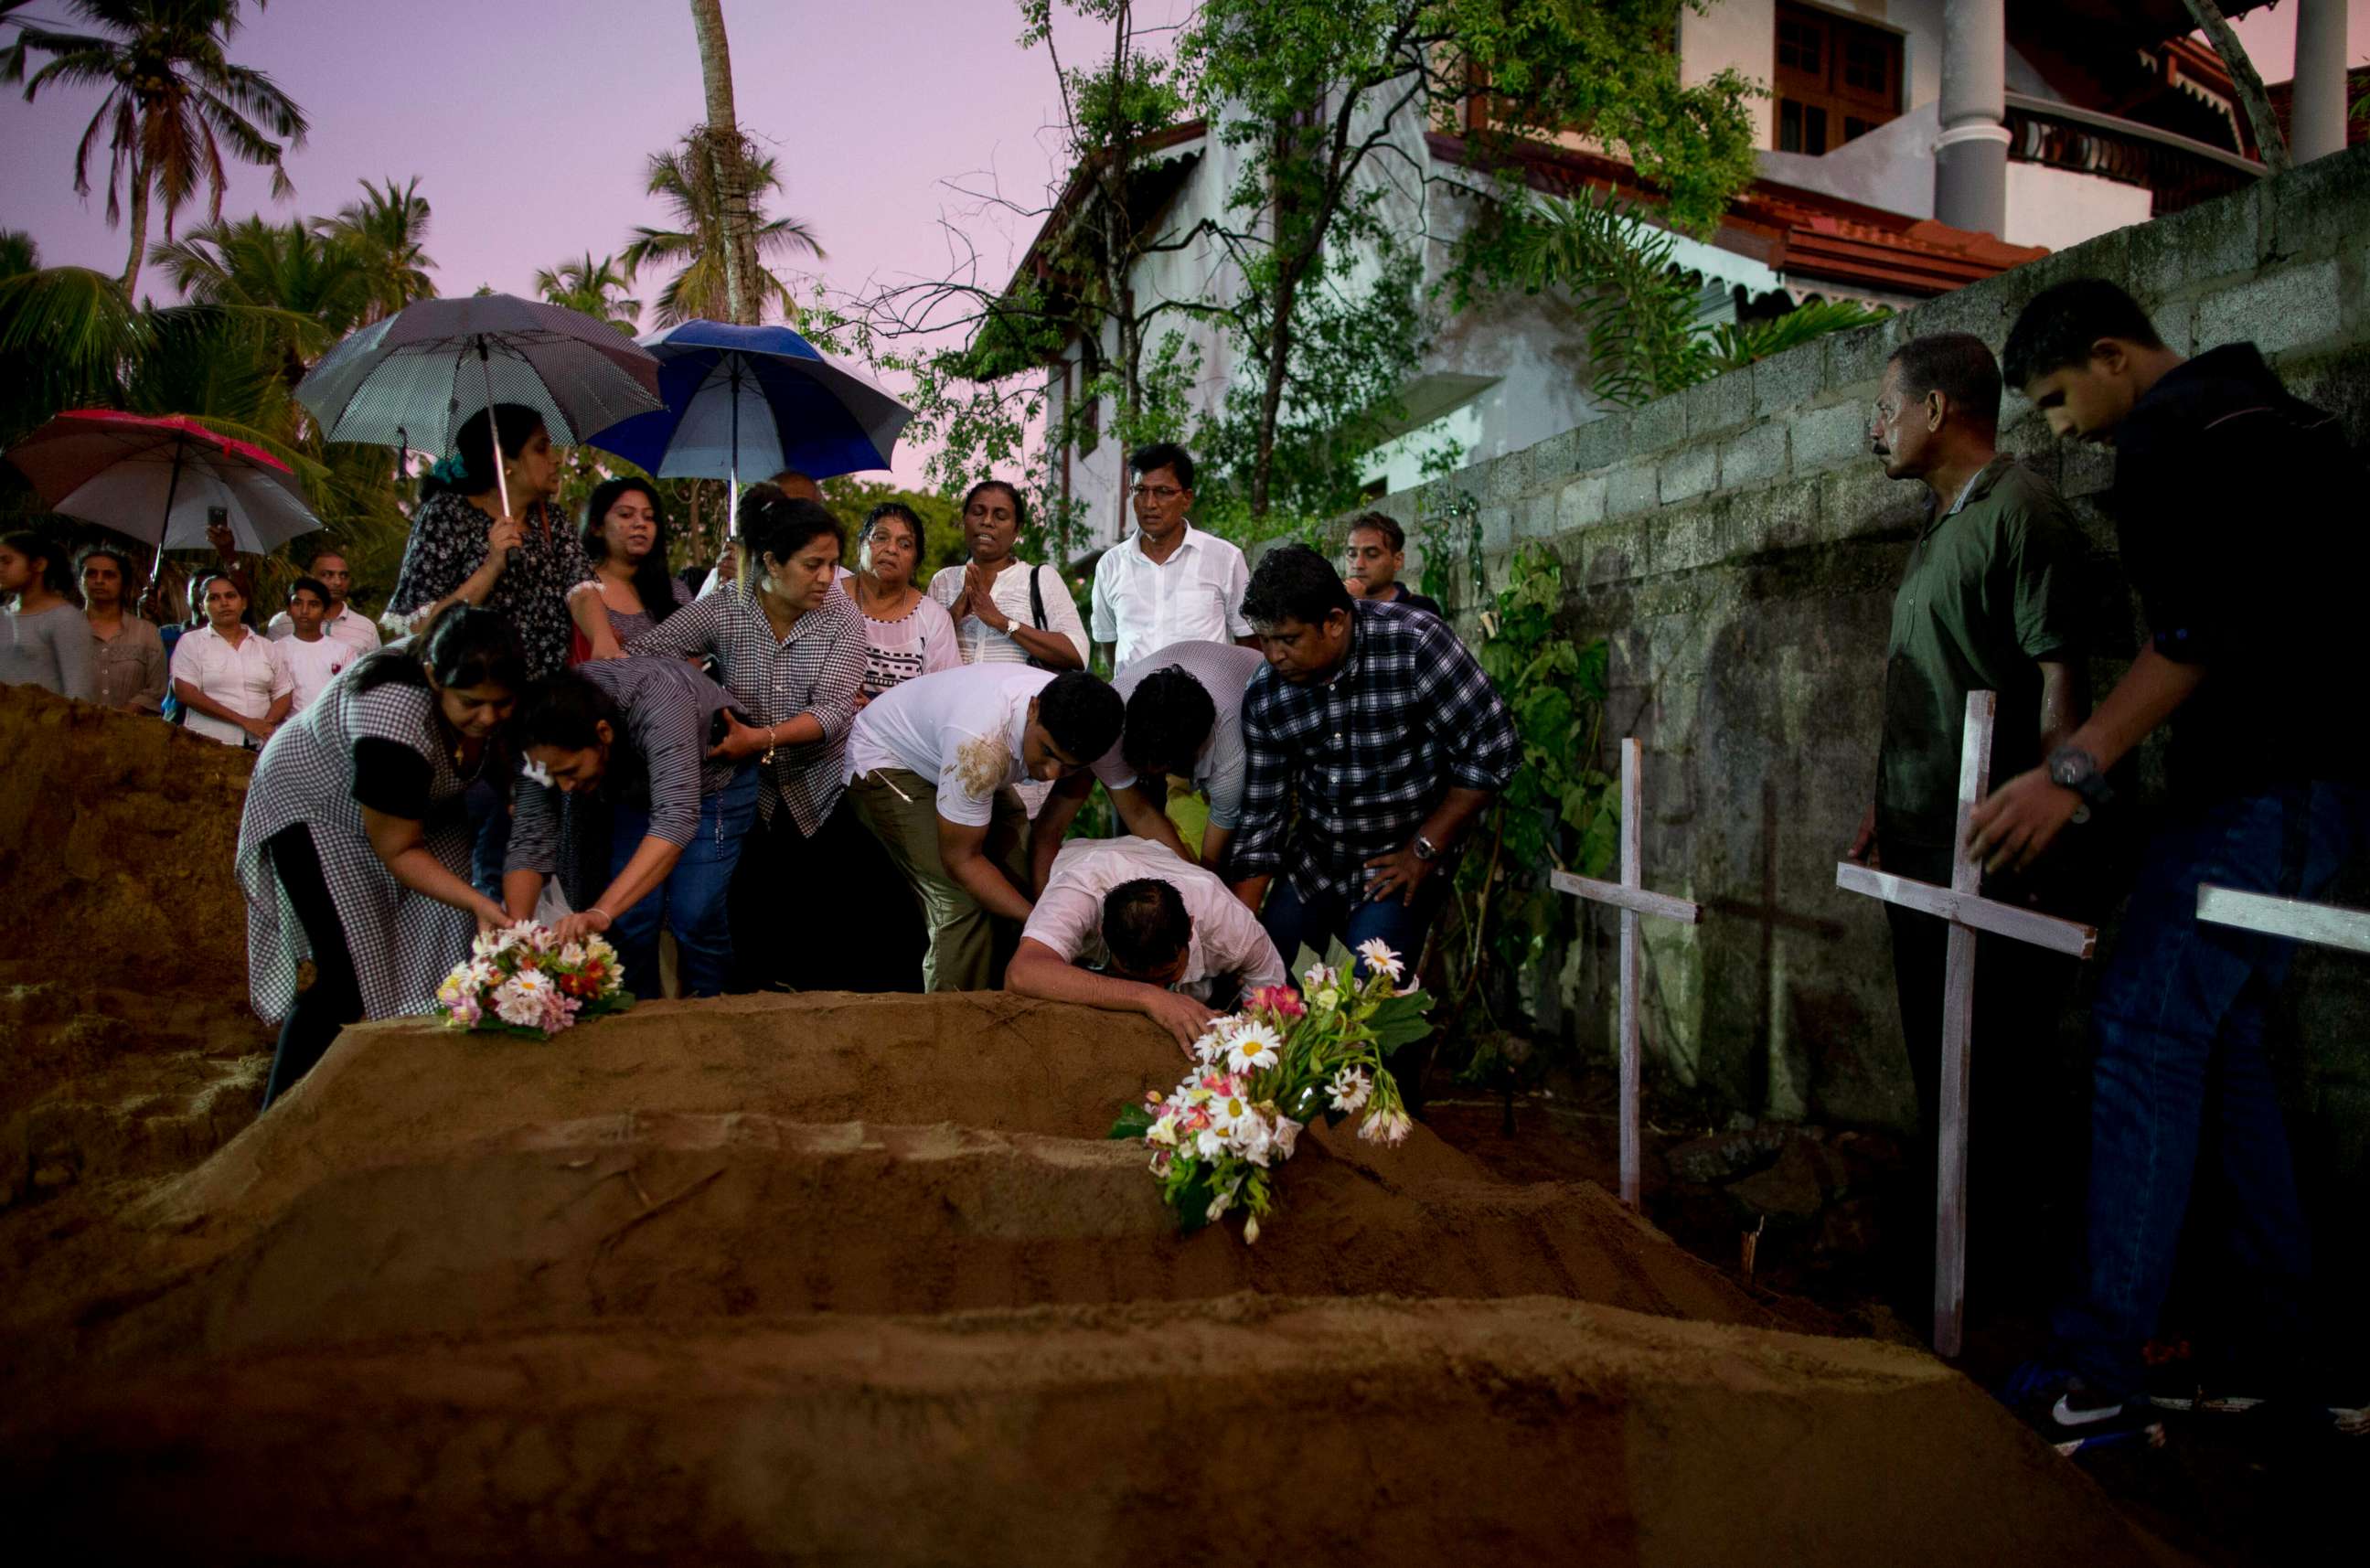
(1321, 101)
(387, 230)
(174, 103)
(596, 288)
(1638, 305)
(685, 177)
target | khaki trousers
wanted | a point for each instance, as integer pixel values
(968, 950)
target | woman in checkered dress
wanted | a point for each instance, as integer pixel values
(354, 846)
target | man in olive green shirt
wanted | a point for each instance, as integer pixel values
(1990, 602)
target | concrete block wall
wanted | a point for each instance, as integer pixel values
(1739, 549)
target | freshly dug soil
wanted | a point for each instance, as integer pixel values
(1367, 1431)
(118, 834)
(677, 1217)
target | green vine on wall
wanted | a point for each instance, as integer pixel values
(1561, 811)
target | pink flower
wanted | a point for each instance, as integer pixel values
(1281, 1000)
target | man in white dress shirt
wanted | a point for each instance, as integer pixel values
(1155, 935)
(343, 622)
(1171, 582)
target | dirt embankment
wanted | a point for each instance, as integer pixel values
(124, 1030)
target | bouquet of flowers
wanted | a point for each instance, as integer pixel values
(523, 980)
(1266, 1072)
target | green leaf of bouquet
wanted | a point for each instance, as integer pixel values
(1399, 1022)
(1306, 961)
(1133, 1122)
(1338, 956)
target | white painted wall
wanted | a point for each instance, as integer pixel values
(2057, 207)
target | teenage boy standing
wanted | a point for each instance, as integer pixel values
(2238, 511)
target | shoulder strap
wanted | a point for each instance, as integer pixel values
(1037, 596)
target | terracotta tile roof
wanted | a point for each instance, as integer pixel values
(1806, 235)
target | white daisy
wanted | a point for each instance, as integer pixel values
(1254, 1046)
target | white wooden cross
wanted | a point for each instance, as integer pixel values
(1630, 897)
(2329, 924)
(1962, 904)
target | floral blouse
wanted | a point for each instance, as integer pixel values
(448, 543)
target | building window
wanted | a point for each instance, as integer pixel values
(1836, 79)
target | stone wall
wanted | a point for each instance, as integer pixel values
(1738, 547)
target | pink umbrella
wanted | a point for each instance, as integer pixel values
(162, 478)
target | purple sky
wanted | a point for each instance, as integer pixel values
(529, 125)
(529, 121)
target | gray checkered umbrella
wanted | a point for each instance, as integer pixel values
(412, 379)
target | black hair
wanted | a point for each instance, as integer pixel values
(1169, 715)
(1019, 506)
(1294, 583)
(653, 583)
(564, 710)
(312, 585)
(206, 580)
(2059, 326)
(899, 509)
(55, 563)
(120, 557)
(324, 553)
(473, 445)
(1386, 527)
(775, 524)
(1163, 454)
(1146, 926)
(467, 645)
(1957, 364)
(1081, 712)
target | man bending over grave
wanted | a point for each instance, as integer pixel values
(1184, 719)
(1155, 935)
(1391, 737)
(2239, 513)
(931, 767)
(1989, 602)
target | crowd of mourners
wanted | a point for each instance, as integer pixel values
(560, 729)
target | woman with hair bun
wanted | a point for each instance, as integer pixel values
(354, 844)
(790, 648)
(528, 565)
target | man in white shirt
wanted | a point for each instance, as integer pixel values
(1154, 934)
(1171, 582)
(1004, 609)
(1184, 720)
(312, 657)
(931, 765)
(343, 622)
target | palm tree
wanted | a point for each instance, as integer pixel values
(727, 155)
(174, 100)
(389, 230)
(696, 246)
(282, 292)
(596, 288)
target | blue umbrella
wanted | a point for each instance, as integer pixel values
(761, 398)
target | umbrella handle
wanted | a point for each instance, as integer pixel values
(494, 429)
(172, 489)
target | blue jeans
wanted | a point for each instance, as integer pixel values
(690, 902)
(2179, 1065)
(490, 828)
(1292, 921)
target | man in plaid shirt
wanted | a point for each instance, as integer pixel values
(1384, 727)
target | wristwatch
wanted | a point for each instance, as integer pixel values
(2076, 769)
(1425, 849)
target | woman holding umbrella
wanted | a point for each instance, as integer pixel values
(527, 565)
(44, 641)
(354, 846)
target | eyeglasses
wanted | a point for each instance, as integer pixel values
(1156, 492)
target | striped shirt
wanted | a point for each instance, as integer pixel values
(1371, 752)
(818, 669)
(659, 762)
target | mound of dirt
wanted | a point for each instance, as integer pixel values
(117, 834)
(1375, 1432)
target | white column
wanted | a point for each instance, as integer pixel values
(2318, 127)
(1971, 155)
